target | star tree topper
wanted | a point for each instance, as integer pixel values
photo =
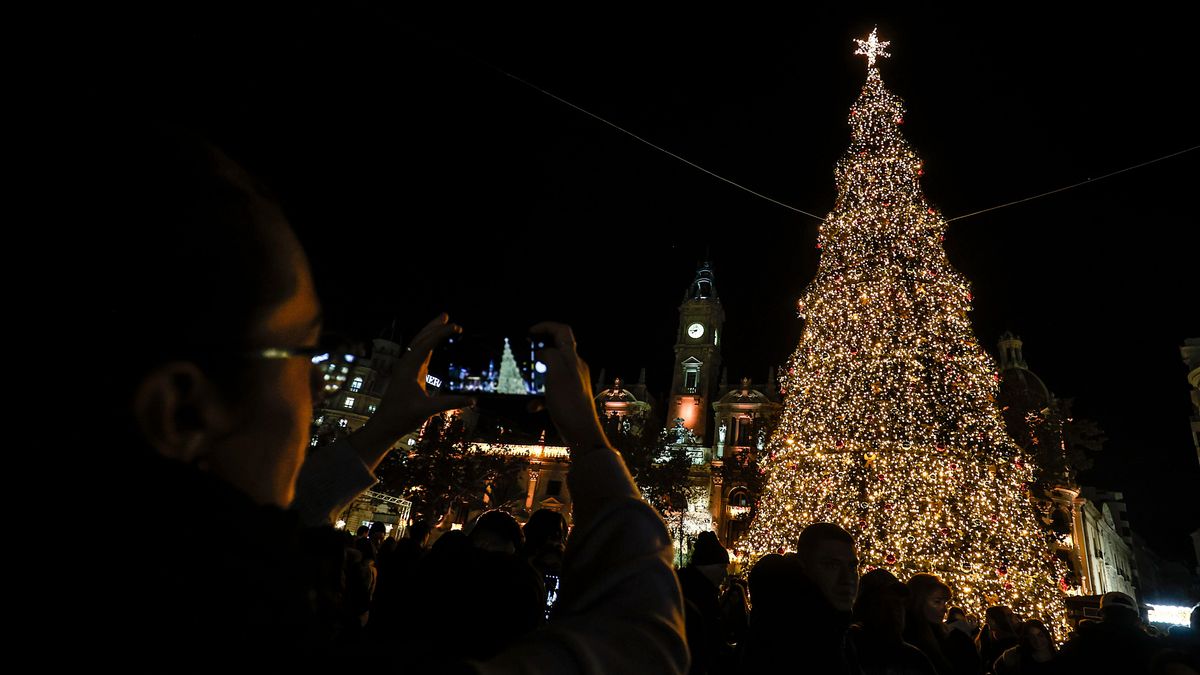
(872, 47)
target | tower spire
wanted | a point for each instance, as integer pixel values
(704, 286)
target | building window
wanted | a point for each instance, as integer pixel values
(691, 374)
(554, 488)
(371, 408)
(342, 422)
(349, 403)
(743, 429)
(356, 384)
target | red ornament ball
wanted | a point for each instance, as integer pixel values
(890, 559)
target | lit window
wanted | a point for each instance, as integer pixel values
(342, 422)
(691, 374)
(349, 404)
(371, 408)
(691, 380)
(356, 384)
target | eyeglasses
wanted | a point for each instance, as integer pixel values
(330, 367)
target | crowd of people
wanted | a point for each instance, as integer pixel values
(213, 318)
(810, 611)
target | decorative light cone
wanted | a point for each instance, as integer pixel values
(890, 427)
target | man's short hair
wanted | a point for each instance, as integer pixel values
(180, 268)
(820, 532)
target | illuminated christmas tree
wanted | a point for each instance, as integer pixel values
(890, 427)
(510, 380)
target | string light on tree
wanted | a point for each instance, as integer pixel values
(890, 427)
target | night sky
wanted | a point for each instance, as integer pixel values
(420, 179)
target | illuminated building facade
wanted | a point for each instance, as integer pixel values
(1100, 545)
(356, 382)
(631, 404)
(1107, 550)
(744, 417)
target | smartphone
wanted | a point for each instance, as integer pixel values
(491, 362)
(507, 381)
(551, 581)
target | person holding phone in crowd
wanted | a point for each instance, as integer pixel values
(208, 312)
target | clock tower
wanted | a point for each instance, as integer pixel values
(697, 354)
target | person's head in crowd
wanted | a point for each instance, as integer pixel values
(767, 580)
(545, 528)
(826, 553)
(880, 605)
(364, 547)
(928, 598)
(419, 533)
(958, 619)
(1036, 639)
(204, 307)
(1118, 608)
(710, 557)
(497, 531)
(363, 532)
(378, 533)
(1000, 620)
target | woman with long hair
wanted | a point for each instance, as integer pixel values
(950, 651)
(1034, 653)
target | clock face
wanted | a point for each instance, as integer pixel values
(695, 330)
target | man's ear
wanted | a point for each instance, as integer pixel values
(179, 411)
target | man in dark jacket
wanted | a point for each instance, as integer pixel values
(807, 607)
(1116, 644)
